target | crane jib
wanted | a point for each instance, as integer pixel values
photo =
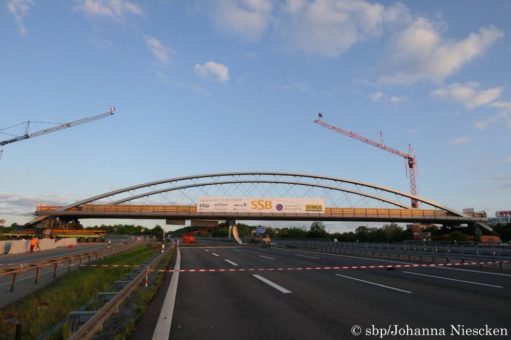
(57, 128)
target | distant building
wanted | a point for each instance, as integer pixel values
(502, 217)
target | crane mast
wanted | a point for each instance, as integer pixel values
(27, 135)
(411, 161)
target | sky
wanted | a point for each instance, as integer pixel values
(228, 85)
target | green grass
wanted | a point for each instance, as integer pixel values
(40, 310)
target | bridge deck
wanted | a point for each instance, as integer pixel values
(190, 212)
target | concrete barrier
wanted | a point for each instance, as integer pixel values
(4, 247)
(46, 244)
(18, 247)
(66, 242)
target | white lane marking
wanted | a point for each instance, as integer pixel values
(162, 329)
(449, 279)
(266, 257)
(339, 255)
(215, 254)
(307, 256)
(272, 284)
(231, 262)
(475, 271)
(206, 250)
(376, 284)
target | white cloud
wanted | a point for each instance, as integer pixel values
(483, 123)
(248, 19)
(505, 107)
(110, 9)
(461, 140)
(219, 71)
(504, 115)
(420, 53)
(505, 111)
(13, 204)
(468, 94)
(161, 52)
(19, 10)
(330, 27)
(382, 97)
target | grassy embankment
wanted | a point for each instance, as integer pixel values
(40, 310)
(122, 326)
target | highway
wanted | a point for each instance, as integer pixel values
(326, 304)
(25, 281)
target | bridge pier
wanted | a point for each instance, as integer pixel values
(230, 224)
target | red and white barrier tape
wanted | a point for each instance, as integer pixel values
(230, 270)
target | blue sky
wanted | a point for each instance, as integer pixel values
(230, 85)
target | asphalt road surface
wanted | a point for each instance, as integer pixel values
(327, 304)
(25, 281)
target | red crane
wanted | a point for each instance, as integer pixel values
(410, 159)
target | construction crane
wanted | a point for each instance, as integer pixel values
(28, 135)
(411, 160)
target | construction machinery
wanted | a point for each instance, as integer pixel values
(411, 160)
(56, 128)
(50, 227)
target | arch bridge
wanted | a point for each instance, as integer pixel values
(176, 199)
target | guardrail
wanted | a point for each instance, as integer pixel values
(407, 253)
(95, 323)
(14, 270)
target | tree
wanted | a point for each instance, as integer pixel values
(293, 232)
(457, 236)
(504, 230)
(157, 231)
(392, 232)
(220, 232)
(363, 233)
(317, 230)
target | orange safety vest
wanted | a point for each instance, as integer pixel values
(33, 242)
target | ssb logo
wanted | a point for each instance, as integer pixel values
(261, 205)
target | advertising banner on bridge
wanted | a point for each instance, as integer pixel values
(261, 205)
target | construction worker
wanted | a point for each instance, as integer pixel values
(33, 243)
(37, 245)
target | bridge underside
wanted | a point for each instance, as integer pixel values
(263, 217)
(190, 212)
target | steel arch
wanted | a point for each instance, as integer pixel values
(264, 173)
(360, 193)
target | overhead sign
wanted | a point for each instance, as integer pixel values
(260, 230)
(260, 205)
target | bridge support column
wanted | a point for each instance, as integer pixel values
(230, 224)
